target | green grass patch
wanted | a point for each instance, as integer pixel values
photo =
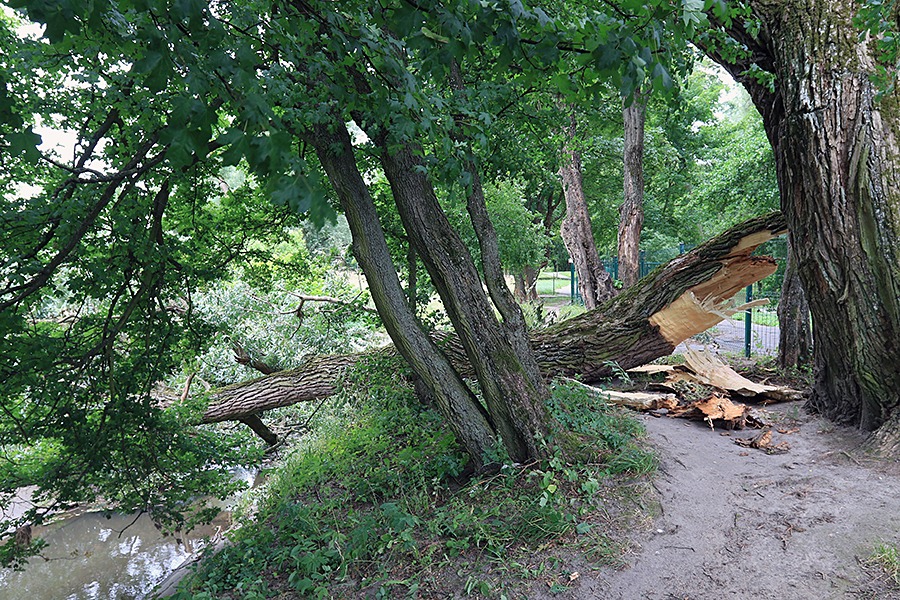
(764, 316)
(380, 505)
(887, 558)
(547, 284)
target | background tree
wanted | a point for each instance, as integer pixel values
(631, 212)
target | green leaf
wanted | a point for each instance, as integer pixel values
(24, 144)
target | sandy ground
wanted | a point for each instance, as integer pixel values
(739, 523)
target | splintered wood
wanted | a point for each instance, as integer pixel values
(710, 370)
(708, 303)
(705, 388)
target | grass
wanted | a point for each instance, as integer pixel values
(554, 283)
(380, 506)
(765, 316)
(887, 558)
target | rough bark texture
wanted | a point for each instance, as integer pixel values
(463, 411)
(594, 282)
(838, 165)
(643, 323)
(631, 213)
(794, 337)
(511, 387)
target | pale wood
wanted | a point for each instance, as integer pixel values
(710, 370)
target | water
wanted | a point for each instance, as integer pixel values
(106, 556)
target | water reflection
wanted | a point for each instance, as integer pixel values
(104, 556)
(96, 556)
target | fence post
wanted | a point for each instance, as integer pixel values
(748, 321)
(642, 269)
(681, 248)
(572, 281)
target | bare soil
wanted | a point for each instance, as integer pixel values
(740, 523)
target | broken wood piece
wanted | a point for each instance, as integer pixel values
(710, 370)
(651, 369)
(635, 400)
(716, 408)
(642, 400)
(763, 441)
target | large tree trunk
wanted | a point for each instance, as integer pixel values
(643, 323)
(794, 337)
(631, 213)
(464, 413)
(838, 163)
(594, 282)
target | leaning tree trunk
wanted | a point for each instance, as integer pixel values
(631, 213)
(838, 165)
(594, 282)
(464, 413)
(687, 296)
(794, 337)
(504, 366)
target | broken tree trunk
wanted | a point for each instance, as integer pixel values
(688, 295)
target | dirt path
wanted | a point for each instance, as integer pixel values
(738, 523)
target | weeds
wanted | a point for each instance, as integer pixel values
(379, 505)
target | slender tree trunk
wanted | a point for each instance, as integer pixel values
(838, 164)
(631, 213)
(794, 338)
(512, 321)
(511, 386)
(519, 289)
(594, 282)
(464, 413)
(530, 275)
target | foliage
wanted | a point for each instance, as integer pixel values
(381, 502)
(266, 325)
(878, 18)
(520, 236)
(707, 165)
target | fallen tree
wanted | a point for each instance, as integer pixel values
(684, 297)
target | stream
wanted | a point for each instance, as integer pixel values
(108, 556)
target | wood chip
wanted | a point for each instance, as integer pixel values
(763, 441)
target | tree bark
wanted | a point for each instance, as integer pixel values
(462, 409)
(631, 213)
(594, 282)
(838, 164)
(530, 276)
(504, 367)
(794, 337)
(645, 322)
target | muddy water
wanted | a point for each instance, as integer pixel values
(103, 556)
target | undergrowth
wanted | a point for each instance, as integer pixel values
(380, 506)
